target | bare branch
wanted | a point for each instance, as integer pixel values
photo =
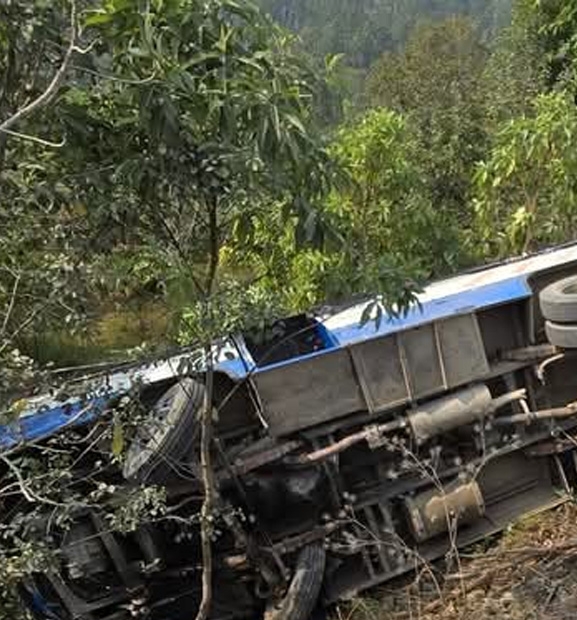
(115, 78)
(214, 254)
(56, 82)
(24, 136)
(27, 492)
(209, 491)
(85, 50)
(23, 325)
(10, 305)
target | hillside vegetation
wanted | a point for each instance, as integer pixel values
(364, 29)
(452, 145)
(174, 170)
(530, 572)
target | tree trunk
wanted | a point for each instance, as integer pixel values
(3, 144)
(208, 482)
(532, 210)
(206, 514)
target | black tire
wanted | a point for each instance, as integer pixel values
(558, 301)
(158, 451)
(561, 335)
(303, 591)
(40, 599)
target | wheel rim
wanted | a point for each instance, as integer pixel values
(152, 434)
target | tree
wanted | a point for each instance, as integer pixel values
(435, 81)
(364, 29)
(516, 70)
(552, 24)
(557, 21)
(190, 116)
(222, 114)
(384, 236)
(526, 192)
(30, 38)
(386, 218)
(37, 44)
(218, 126)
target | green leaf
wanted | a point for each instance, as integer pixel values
(367, 313)
(296, 122)
(199, 59)
(332, 62)
(98, 19)
(117, 437)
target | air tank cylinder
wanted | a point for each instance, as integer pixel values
(447, 413)
(433, 512)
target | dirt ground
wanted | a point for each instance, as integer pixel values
(528, 573)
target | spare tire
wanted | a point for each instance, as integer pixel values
(303, 591)
(163, 442)
(561, 335)
(558, 301)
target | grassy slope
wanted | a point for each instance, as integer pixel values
(529, 573)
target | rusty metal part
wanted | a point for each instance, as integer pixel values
(553, 446)
(428, 421)
(288, 545)
(535, 416)
(445, 414)
(508, 398)
(332, 449)
(464, 407)
(540, 369)
(527, 354)
(434, 512)
(243, 466)
(369, 434)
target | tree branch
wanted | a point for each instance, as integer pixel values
(214, 245)
(24, 136)
(23, 325)
(180, 251)
(5, 90)
(27, 492)
(10, 305)
(115, 78)
(54, 86)
(209, 488)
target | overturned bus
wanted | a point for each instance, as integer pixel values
(345, 452)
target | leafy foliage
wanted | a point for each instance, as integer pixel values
(526, 188)
(197, 177)
(556, 20)
(516, 70)
(436, 83)
(41, 278)
(363, 29)
(31, 34)
(215, 124)
(186, 119)
(386, 219)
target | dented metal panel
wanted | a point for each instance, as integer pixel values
(373, 375)
(424, 362)
(461, 349)
(316, 390)
(379, 362)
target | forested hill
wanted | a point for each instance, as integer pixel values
(363, 29)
